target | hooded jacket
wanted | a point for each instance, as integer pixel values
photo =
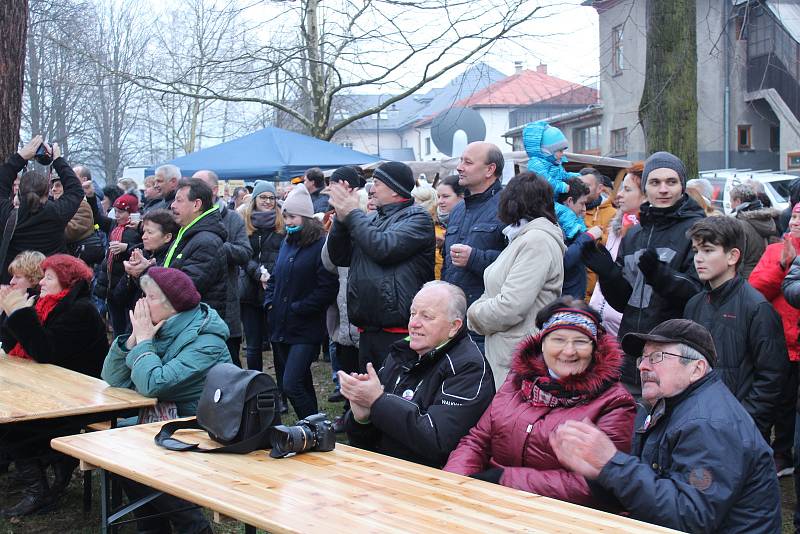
(513, 434)
(646, 301)
(759, 228)
(197, 250)
(524, 278)
(751, 351)
(73, 336)
(42, 230)
(174, 364)
(390, 254)
(429, 401)
(699, 464)
(474, 222)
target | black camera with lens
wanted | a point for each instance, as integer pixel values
(43, 156)
(314, 433)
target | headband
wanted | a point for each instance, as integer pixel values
(572, 319)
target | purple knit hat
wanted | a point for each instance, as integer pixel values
(176, 286)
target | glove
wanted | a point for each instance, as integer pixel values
(649, 262)
(489, 475)
(598, 259)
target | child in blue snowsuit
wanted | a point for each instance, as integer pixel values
(545, 146)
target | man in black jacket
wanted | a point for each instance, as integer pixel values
(653, 276)
(748, 334)
(390, 254)
(166, 185)
(196, 249)
(433, 388)
(237, 253)
(314, 180)
(698, 462)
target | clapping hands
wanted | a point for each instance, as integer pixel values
(12, 299)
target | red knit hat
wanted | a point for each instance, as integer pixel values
(68, 269)
(127, 203)
(176, 286)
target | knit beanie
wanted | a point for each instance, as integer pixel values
(553, 140)
(176, 286)
(127, 203)
(68, 269)
(350, 175)
(664, 160)
(262, 186)
(298, 202)
(396, 175)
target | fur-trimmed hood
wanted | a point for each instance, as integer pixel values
(762, 220)
(605, 369)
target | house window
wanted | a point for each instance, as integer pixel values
(793, 160)
(617, 60)
(743, 137)
(347, 144)
(619, 142)
(587, 140)
(775, 138)
(427, 146)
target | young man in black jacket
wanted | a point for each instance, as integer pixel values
(432, 389)
(747, 331)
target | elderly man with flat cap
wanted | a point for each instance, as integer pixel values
(698, 462)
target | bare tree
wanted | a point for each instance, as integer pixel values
(341, 46)
(13, 27)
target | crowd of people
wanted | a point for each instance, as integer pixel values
(608, 341)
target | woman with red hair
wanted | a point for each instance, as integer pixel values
(60, 327)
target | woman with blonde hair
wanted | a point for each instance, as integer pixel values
(425, 196)
(26, 270)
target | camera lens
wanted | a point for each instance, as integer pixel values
(291, 439)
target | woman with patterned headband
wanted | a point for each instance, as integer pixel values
(569, 370)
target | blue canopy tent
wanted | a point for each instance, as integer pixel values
(268, 154)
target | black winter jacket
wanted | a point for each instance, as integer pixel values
(298, 294)
(752, 359)
(758, 224)
(700, 465)
(73, 336)
(198, 252)
(127, 291)
(43, 230)
(429, 402)
(237, 253)
(646, 301)
(265, 245)
(474, 222)
(390, 255)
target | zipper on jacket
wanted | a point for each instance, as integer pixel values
(525, 444)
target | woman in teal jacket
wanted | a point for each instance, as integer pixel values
(175, 342)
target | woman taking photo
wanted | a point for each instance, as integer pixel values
(298, 294)
(526, 275)
(263, 222)
(60, 327)
(629, 198)
(569, 371)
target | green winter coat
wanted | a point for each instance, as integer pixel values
(174, 364)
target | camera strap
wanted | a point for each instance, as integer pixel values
(8, 233)
(164, 439)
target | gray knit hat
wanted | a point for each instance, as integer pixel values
(664, 160)
(262, 186)
(298, 202)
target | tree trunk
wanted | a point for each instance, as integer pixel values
(668, 109)
(13, 28)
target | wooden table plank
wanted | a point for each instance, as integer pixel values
(347, 490)
(30, 391)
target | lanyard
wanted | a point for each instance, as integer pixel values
(180, 235)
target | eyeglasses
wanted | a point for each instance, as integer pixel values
(560, 343)
(266, 199)
(657, 357)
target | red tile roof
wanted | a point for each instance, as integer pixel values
(530, 87)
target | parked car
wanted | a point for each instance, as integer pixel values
(776, 185)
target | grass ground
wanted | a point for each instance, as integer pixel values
(69, 517)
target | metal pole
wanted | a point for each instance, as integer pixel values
(379, 127)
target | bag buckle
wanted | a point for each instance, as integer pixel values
(265, 401)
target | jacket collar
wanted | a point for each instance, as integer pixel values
(666, 406)
(480, 198)
(684, 208)
(721, 293)
(394, 207)
(410, 359)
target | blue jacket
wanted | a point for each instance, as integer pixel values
(174, 364)
(474, 222)
(700, 465)
(298, 294)
(574, 269)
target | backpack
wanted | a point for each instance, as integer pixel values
(238, 409)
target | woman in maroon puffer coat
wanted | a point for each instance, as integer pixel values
(570, 370)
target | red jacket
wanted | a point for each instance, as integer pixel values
(513, 433)
(767, 277)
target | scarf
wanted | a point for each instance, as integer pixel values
(43, 308)
(443, 217)
(263, 220)
(512, 230)
(547, 391)
(116, 235)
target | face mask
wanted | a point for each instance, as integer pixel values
(293, 229)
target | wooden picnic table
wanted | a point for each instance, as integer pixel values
(32, 391)
(347, 490)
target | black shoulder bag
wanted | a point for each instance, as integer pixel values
(238, 409)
